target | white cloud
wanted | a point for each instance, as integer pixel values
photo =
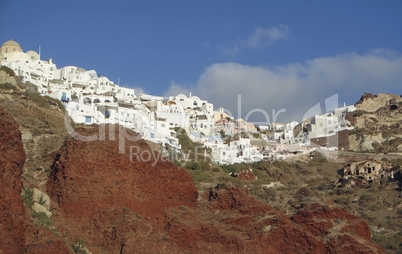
(138, 90)
(265, 37)
(260, 38)
(176, 89)
(297, 87)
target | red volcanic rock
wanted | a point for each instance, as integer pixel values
(226, 197)
(246, 175)
(89, 174)
(303, 192)
(43, 241)
(101, 181)
(12, 210)
(320, 220)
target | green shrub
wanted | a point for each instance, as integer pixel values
(269, 194)
(342, 201)
(305, 171)
(43, 219)
(79, 246)
(36, 132)
(374, 208)
(7, 86)
(28, 197)
(46, 101)
(194, 166)
(200, 176)
(358, 113)
(390, 242)
(317, 160)
(261, 165)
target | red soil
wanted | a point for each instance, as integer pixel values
(246, 175)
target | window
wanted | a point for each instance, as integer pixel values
(195, 103)
(163, 125)
(88, 119)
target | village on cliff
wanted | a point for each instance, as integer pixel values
(93, 99)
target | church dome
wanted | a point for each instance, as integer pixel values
(11, 43)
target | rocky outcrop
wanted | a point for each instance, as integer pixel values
(246, 175)
(41, 198)
(341, 231)
(114, 198)
(377, 124)
(12, 210)
(7, 81)
(364, 142)
(88, 174)
(371, 103)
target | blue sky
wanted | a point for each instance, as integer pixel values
(277, 54)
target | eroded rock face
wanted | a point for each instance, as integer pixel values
(12, 210)
(230, 198)
(317, 229)
(136, 206)
(114, 199)
(341, 231)
(89, 174)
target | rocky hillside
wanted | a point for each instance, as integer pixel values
(92, 193)
(115, 205)
(377, 121)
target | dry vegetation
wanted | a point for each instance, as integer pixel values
(308, 181)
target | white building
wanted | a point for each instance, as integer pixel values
(193, 102)
(238, 151)
(91, 99)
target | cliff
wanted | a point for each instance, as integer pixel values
(12, 211)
